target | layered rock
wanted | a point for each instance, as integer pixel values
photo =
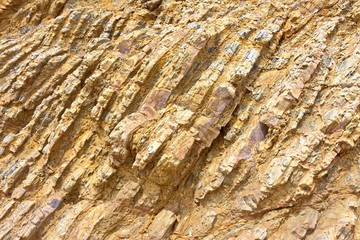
(150, 119)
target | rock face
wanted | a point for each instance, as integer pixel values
(203, 119)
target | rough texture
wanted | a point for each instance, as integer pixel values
(203, 119)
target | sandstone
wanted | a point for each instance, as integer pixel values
(166, 119)
(161, 224)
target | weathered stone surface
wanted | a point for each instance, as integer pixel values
(167, 119)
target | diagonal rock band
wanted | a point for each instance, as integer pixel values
(167, 119)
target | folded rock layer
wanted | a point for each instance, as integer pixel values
(168, 119)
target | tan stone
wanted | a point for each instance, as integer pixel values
(167, 119)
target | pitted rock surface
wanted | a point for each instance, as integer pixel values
(203, 119)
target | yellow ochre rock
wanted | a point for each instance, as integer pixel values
(179, 119)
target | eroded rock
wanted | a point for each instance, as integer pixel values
(151, 119)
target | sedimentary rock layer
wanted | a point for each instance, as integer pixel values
(203, 119)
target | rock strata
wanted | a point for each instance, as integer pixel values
(167, 119)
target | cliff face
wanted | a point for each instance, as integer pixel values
(177, 119)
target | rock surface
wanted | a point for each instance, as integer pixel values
(203, 119)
